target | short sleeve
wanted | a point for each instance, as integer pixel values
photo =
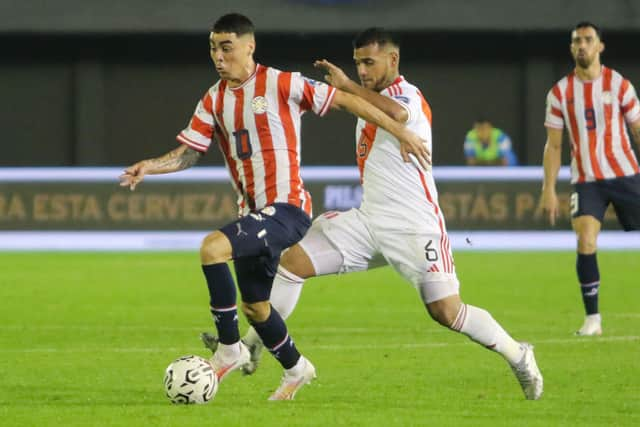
(311, 94)
(553, 115)
(199, 132)
(629, 104)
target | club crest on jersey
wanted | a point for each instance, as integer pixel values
(607, 98)
(259, 105)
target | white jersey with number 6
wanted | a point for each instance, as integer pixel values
(399, 217)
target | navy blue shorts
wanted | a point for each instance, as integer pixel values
(593, 198)
(257, 240)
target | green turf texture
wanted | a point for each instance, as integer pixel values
(85, 340)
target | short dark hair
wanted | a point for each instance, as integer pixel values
(233, 23)
(587, 24)
(374, 35)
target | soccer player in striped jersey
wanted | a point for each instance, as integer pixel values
(399, 217)
(593, 102)
(253, 113)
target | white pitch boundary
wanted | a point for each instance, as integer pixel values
(190, 240)
(331, 347)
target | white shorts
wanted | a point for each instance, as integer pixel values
(343, 242)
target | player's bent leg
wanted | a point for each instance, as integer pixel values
(297, 263)
(298, 371)
(229, 353)
(284, 297)
(587, 229)
(256, 312)
(482, 328)
(215, 249)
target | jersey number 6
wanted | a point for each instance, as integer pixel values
(430, 253)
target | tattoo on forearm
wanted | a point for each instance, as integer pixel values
(176, 160)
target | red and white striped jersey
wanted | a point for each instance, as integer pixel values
(257, 127)
(594, 113)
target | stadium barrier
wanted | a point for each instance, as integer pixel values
(85, 208)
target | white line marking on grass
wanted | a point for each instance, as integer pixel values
(340, 347)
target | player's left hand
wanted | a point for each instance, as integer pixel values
(414, 149)
(335, 76)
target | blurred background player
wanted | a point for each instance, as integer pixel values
(399, 217)
(593, 102)
(486, 145)
(254, 112)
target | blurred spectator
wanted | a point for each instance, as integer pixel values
(486, 145)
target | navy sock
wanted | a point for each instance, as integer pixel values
(222, 299)
(275, 337)
(589, 277)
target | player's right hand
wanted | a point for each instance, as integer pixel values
(549, 202)
(335, 77)
(133, 175)
(413, 148)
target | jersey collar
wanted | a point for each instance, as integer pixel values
(249, 79)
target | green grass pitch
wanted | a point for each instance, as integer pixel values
(85, 339)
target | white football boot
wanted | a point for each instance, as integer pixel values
(528, 374)
(210, 341)
(293, 380)
(224, 362)
(592, 326)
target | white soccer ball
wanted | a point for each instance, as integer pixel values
(190, 379)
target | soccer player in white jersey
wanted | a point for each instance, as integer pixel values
(253, 113)
(593, 102)
(399, 217)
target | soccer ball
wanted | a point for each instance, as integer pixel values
(190, 379)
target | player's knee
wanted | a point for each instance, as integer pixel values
(215, 249)
(587, 242)
(256, 312)
(296, 261)
(445, 311)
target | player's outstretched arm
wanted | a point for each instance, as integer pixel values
(181, 158)
(551, 163)
(410, 143)
(338, 79)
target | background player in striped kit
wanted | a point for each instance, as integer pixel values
(593, 102)
(253, 112)
(399, 217)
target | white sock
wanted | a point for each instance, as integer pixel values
(594, 318)
(478, 325)
(298, 368)
(285, 294)
(229, 351)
